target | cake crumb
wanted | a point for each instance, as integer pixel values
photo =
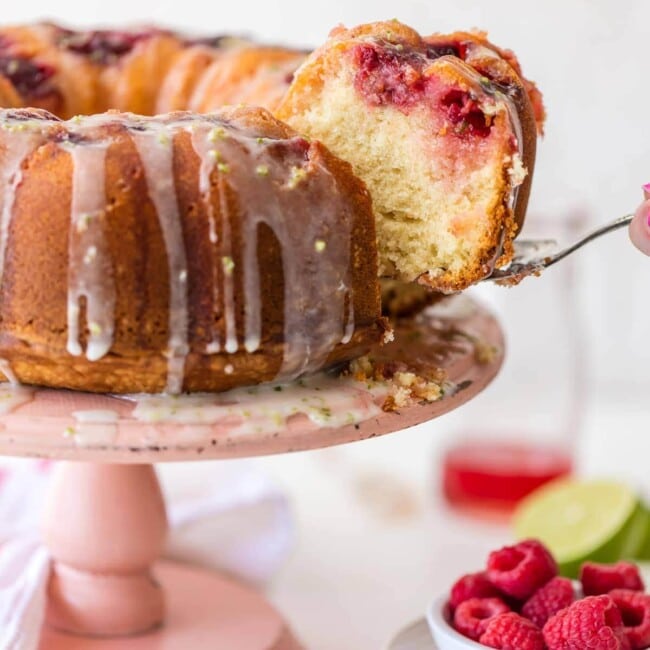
(218, 133)
(228, 265)
(517, 170)
(298, 175)
(361, 369)
(399, 398)
(484, 352)
(405, 386)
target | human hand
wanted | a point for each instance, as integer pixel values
(640, 226)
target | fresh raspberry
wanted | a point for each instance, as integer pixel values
(593, 623)
(471, 618)
(520, 570)
(635, 610)
(512, 632)
(602, 578)
(472, 585)
(548, 600)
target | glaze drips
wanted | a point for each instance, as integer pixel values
(325, 400)
(278, 183)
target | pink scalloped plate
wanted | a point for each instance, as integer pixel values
(42, 422)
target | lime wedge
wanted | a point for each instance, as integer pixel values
(600, 520)
(644, 552)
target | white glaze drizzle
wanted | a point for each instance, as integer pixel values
(16, 149)
(90, 271)
(156, 151)
(95, 428)
(203, 148)
(227, 263)
(325, 400)
(11, 397)
(97, 416)
(349, 321)
(7, 371)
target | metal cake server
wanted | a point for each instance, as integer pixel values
(532, 256)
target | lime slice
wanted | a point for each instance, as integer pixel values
(643, 553)
(601, 521)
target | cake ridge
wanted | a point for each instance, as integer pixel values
(156, 156)
(10, 179)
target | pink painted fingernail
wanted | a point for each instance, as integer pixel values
(646, 190)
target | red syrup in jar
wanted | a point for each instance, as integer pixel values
(484, 476)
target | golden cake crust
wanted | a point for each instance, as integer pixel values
(33, 340)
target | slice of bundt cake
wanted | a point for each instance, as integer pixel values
(442, 147)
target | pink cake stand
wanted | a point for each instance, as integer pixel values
(105, 523)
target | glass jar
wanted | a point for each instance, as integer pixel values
(520, 432)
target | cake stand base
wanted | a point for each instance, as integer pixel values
(203, 610)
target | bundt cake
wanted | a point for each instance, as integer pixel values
(444, 148)
(203, 253)
(182, 252)
(149, 72)
(441, 129)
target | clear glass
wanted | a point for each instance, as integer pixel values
(521, 431)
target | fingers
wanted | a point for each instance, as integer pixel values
(640, 226)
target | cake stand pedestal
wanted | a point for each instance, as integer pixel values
(105, 522)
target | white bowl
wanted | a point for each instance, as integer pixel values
(445, 636)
